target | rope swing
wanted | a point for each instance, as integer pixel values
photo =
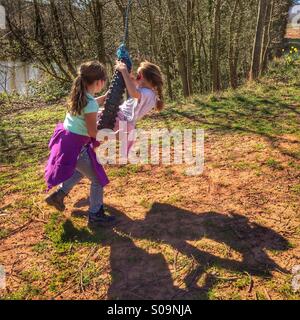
(117, 86)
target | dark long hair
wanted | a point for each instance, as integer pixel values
(88, 73)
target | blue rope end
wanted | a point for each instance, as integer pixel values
(123, 55)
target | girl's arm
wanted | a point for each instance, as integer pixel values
(101, 100)
(91, 124)
(132, 90)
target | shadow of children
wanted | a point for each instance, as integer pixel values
(140, 270)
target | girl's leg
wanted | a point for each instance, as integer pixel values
(96, 211)
(84, 167)
(57, 198)
(68, 185)
(96, 197)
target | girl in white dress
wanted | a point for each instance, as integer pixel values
(146, 92)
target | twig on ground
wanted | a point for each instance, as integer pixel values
(81, 287)
(192, 278)
(19, 229)
(267, 294)
(39, 208)
(175, 261)
(79, 271)
(251, 284)
(13, 248)
(40, 220)
(13, 265)
(278, 270)
(228, 279)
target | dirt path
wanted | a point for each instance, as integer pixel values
(231, 233)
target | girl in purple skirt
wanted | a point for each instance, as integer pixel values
(72, 145)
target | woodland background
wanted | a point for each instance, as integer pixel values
(201, 45)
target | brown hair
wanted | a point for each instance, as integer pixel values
(88, 73)
(152, 74)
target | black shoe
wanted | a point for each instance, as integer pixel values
(100, 218)
(56, 200)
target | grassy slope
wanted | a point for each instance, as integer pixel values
(179, 237)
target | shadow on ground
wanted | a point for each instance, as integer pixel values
(140, 274)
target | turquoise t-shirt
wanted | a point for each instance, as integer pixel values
(77, 124)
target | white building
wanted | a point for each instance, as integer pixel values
(14, 76)
(294, 16)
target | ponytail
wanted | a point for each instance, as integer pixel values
(152, 73)
(87, 75)
(78, 98)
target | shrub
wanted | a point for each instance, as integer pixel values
(48, 89)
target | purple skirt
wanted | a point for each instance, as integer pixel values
(65, 148)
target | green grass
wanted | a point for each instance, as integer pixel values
(41, 247)
(146, 204)
(274, 164)
(25, 157)
(243, 282)
(3, 233)
(242, 165)
(27, 291)
(269, 109)
(296, 189)
(32, 274)
(257, 109)
(125, 171)
(286, 289)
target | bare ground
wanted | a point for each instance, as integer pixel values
(231, 233)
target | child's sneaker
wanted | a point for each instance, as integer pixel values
(100, 217)
(56, 200)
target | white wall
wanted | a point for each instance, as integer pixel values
(294, 16)
(14, 76)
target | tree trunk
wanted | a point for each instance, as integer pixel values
(258, 42)
(234, 42)
(180, 48)
(97, 12)
(189, 44)
(215, 63)
(267, 36)
(61, 39)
